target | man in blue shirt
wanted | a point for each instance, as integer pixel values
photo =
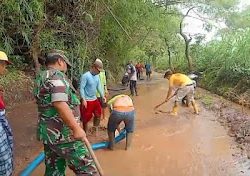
(148, 70)
(89, 85)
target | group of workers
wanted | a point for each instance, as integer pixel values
(135, 73)
(139, 69)
(62, 109)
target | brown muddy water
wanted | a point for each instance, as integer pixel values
(163, 145)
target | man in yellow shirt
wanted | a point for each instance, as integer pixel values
(184, 87)
(122, 110)
(103, 81)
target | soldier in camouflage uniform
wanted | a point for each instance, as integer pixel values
(58, 124)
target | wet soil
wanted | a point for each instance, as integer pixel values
(23, 120)
(183, 145)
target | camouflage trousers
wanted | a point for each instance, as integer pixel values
(73, 154)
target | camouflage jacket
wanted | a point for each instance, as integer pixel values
(52, 85)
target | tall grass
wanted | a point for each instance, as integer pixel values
(226, 63)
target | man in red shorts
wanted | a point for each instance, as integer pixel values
(89, 84)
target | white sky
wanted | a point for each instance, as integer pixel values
(195, 26)
(243, 4)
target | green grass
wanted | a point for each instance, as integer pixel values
(207, 100)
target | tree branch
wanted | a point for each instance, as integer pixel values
(181, 24)
(116, 20)
(186, 39)
(167, 2)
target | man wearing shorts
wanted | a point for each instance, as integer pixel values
(89, 84)
(122, 110)
(184, 87)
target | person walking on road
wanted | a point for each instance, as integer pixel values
(139, 69)
(131, 70)
(6, 136)
(184, 87)
(59, 120)
(122, 110)
(90, 84)
(148, 70)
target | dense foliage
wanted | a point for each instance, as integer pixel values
(226, 64)
(120, 30)
(116, 31)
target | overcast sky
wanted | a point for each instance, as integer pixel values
(195, 26)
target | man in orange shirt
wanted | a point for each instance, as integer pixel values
(184, 87)
(139, 68)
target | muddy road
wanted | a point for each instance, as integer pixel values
(183, 145)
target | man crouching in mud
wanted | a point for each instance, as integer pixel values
(58, 124)
(122, 109)
(184, 87)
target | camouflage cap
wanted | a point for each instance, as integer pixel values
(53, 54)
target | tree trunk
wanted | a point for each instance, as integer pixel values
(190, 64)
(169, 56)
(35, 45)
(187, 42)
(35, 59)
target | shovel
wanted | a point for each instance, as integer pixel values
(98, 166)
(165, 101)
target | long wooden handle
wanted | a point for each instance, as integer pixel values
(98, 166)
(157, 106)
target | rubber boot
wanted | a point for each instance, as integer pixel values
(196, 111)
(129, 137)
(111, 140)
(174, 110)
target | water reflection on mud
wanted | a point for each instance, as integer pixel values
(187, 145)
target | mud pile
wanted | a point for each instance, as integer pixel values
(238, 123)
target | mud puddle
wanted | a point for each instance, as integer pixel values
(163, 145)
(186, 145)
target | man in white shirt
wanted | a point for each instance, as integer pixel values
(132, 78)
